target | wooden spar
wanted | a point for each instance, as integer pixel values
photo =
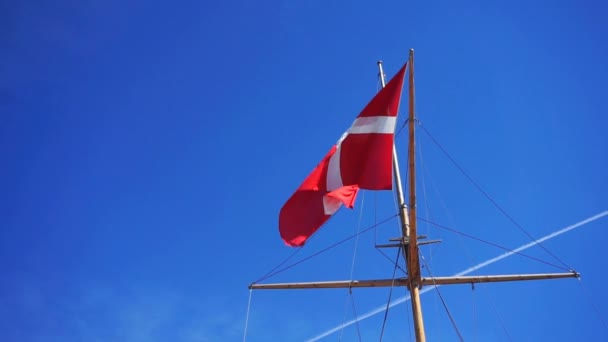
(342, 284)
(414, 268)
(413, 265)
(408, 222)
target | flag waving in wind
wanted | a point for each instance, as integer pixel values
(361, 159)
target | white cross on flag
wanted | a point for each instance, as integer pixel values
(361, 159)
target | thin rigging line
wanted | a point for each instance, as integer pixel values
(485, 194)
(324, 250)
(390, 260)
(467, 253)
(390, 294)
(402, 127)
(270, 273)
(427, 211)
(352, 268)
(500, 319)
(352, 300)
(445, 306)
(474, 318)
(595, 308)
(426, 171)
(247, 316)
(495, 245)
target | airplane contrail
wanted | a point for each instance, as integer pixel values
(403, 299)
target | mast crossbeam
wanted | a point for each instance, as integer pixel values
(405, 244)
(345, 284)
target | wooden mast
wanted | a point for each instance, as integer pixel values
(413, 265)
(409, 240)
(408, 220)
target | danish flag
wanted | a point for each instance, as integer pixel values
(361, 159)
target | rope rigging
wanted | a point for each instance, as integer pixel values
(247, 316)
(489, 198)
(500, 319)
(427, 210)
(445, 306)
(467, 252)
(350, 298)
(350, 290)
(474, 314)
(390, 294)
(595, 308)
(276, 269)
(391, 260)
(352, 269)
(494, 244)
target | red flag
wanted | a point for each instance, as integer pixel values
(361, 159)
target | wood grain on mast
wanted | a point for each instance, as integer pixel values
(408, 220)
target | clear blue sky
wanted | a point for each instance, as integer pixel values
(147, 149)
